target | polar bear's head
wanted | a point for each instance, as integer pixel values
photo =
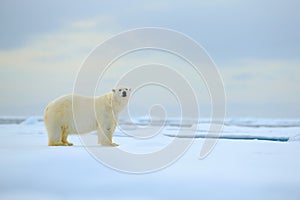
(121, 93)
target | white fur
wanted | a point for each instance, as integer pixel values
(75, 114)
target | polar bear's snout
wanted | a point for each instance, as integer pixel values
(124, 94)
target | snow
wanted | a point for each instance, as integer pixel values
(236, 168)
(31, 121)
(295, 138)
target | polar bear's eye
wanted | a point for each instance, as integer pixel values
(120, 90)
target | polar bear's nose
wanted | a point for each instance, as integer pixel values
(123, 94)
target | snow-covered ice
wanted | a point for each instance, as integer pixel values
(236, 168)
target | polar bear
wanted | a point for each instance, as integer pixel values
(75, 114)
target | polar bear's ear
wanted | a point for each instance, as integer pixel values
(113, 90)
(129, 89)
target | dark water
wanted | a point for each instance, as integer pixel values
(233, 137)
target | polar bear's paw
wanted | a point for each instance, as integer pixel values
(56, 144)
(68, 144)
(60, 144)
(114, 144)
(108, 144)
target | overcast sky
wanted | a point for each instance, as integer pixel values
(255, 44)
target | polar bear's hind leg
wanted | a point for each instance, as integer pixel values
(58, 137)
(64, 131)
(55, 137)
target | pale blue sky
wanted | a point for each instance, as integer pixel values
(255, 44)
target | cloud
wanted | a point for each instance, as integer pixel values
(63, 49)
(94, 23)
(42, 48)
(262, 81)
(84, 24)
(46, 67)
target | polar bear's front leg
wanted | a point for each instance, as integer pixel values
(110, 134)
(102, 137)
(105, 136)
